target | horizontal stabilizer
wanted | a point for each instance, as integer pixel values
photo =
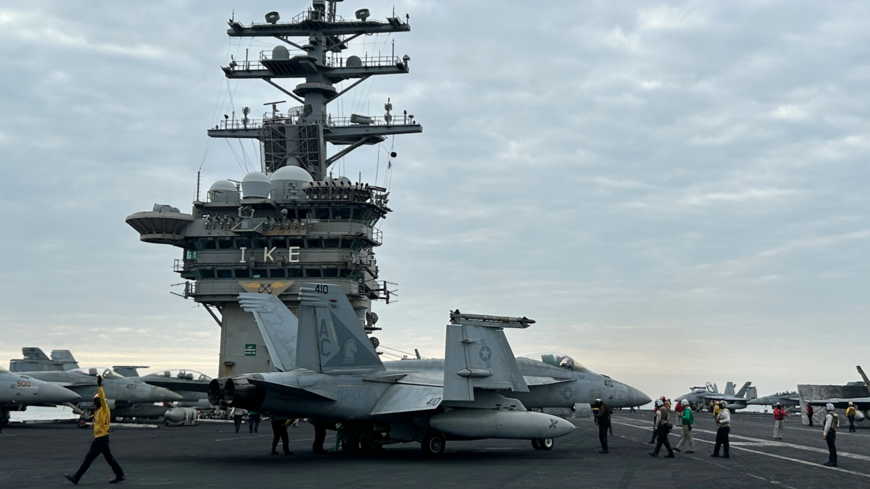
(290, 391)
(404, 398)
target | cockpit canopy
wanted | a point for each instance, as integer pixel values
(105, 372)
(557, 359)
(181, 374)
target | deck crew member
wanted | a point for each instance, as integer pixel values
(832, 421)
(850, 415)
(279, 432)
(100, 445)
(238, 414)
(723, 421)
(779, 414)
(687, 420)
(655, 431)
(662, 430)
(253, 422)
(810, 413)
(602, 419)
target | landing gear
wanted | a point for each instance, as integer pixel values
(545, 444)
(433, 443)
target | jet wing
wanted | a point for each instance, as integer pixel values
(178, 386)
(842, 403)
(403, 398)
(289, 390)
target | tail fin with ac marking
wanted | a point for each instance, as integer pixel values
(277, 325)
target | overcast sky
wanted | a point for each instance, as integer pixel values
(676, 192)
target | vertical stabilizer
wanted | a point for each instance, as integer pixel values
(331, 335)
(35, 360)
(65, 359)
(744, 389)
(478, 355)
(277, 325)
(864, 376)
(729, 389)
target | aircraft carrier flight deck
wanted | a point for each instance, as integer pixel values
(213, 455)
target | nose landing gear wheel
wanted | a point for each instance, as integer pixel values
(433, 444)
(536, 444)
(545, 444)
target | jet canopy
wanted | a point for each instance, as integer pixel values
(556, 359)
(105, 372)
(181, 375)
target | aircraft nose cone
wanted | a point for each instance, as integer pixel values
(159, 394)
(638, 398)
(56, 394)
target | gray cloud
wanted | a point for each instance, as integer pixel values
(677, 184)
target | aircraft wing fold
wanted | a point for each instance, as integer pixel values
(478, 357)
(403, 398)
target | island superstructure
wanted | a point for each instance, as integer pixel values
(292, 221)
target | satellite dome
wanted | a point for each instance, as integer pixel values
(292, 173)
(287, 183)
(223, 191)
(256, 185)
(280, 53)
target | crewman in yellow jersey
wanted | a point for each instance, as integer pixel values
(100, 445)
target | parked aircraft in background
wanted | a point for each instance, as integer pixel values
(191, 385)
(701, 397)
(18, 391)
(861, 402)
(328, 371)
(788, 399)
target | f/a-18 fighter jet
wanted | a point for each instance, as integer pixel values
(191, 385)
(787, 399)
(18, 391)
(700, 397)
(126, 397)
(558, 385)
(328, 370)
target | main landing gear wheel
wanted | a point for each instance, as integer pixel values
(536, 444)
(433, 444)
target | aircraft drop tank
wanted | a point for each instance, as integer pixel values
(486, 423)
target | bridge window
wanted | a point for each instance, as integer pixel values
(294, 272)
(225, 244)
(297, 242)
(341, 213)
(225, 273)
(313, 243)
(330, 272)
(322, 213)
(243, 243)
(277, 273)
(313, 273)
(205, 273)
(330, 243)
(278, 243)
(243, 273)
(260, 273)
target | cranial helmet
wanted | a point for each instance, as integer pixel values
(829, 406)
(684, 402)
(722, 403)
(850, 403)
(779, 404)
(659, 403)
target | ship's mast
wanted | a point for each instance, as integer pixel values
(298, 136)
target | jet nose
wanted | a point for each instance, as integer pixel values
(638, 398)
(52, 393)
(160, 394)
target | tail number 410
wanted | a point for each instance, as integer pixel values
(321, 289)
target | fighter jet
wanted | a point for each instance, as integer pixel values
(19, 391)
(558, 384)
(788, 399)
(191, 385)
(700, 397)
(127, 397)
(326, 369)
(861, 403)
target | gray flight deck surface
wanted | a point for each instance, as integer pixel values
(211, 454)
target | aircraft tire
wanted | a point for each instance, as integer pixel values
(547, 444)
(433, 443)
(536, 444)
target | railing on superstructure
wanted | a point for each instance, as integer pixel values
(328, 121)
